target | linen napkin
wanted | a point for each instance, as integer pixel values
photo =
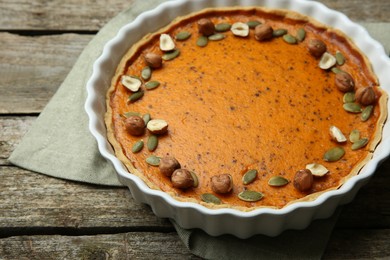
(59, 144)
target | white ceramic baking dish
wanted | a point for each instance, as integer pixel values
(265, 221)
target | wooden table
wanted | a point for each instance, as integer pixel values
(43, 217)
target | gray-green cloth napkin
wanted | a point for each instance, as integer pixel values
(59, 144)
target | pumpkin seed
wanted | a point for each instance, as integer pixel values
(317, 169)
(195, 177)
(336, 70)
(301, 34)
(182, 36)
(277, 181)
(217, 37)
(366, 113)
(279, 32)
(137, 147)
(152, 85)
(202, 41)
(222, 27)
(334, 154)
(250, 195)
(349, 97)
(135, 96)
(152, 143)
(210, 198)
(290, 39)
(131, 113)
(146, 118)
(171, 55)
(146, 73)
(339, 58)
(253, 24)
(249, 176)
(359, 144)
(354, 136)
(153, 160)
(352, 107)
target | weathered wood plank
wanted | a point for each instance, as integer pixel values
(92, 15)
(34, 201)
(32, 68)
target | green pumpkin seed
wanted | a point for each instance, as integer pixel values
(279, 32)
(131, 113)
(146, 118)
(366, 113)
(195, 177)
(217, 37)
(135, 96)
(153, 160)
(336, 70)
(210, 198)
(249, 176)
(278, 181)
(152, 143)
(354, 136)
(253, 24)
(349, 97)
(334, 154)
(301, 34)
(352, 107)
(223, 27)
(137, 147)
(340, 58)
(182, 36)
(146, 73)
(202, 41)
(171, 55)
(359, 144)
(250, 195)
(290, 39)
(152, 85)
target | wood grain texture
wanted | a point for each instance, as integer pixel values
(32, 68)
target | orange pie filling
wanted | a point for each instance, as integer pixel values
(245, 108)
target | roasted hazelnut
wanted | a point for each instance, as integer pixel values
(153, 60)
(206, 27)
(365, 96)
(157, 126)
(135, 125)
(263, 32)
(168, 165)
(182, 179)
(222, 183)
(344, 82)
(316, 47)
(303, 180)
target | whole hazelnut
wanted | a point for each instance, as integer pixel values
(222, 183)
(135, 125)
(365, 96)
(168, 165)
(206, 27)
(316, 47)
(263, 32)
(344, 82)
(303, 180)
(182, 179)
(153, 60)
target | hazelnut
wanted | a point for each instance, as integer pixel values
(222, 183)
(344, 82)
(157, 126)
(206, 27)
(365, 96)
(168, 165)
(316, 47)
(153, 60)
(263, 32)
(182, 179)
(303, 180)
(135, 125)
